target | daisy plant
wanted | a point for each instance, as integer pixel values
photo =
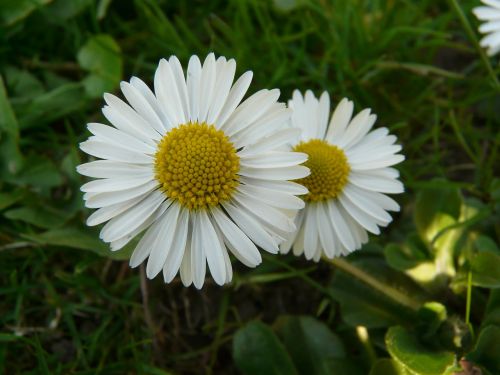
(490, 13)
(350, 174)
(196, 169)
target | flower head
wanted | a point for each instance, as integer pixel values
(491, 14)
(350, 174)
(199, 172)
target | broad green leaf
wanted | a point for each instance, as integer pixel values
(101, 56)
(436, 210)
(487, 350)
(39, 172)
(257, 351)
(62, 10)
(431, 316)
(12, 11)
(42, 217)
(312, 346)
(485, 243)
(8, 199)
(405, 349)
(80, 238)
(407, 255)
(52, 105)
(485, 268)
(387, 366)
(492, 315)
(360, 304)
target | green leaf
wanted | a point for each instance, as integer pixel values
(312, 346)
(101, 56)
(51, 106)
(39, 172)
(431, 316)
(80, 238)
(485, 243)
(435, 209)
(13, 11)
(10, 156)
(485, 268)
(62, 10)
(42, 217)
(492, 315)
(361, 304)
(407, 255)
(387, 366)
(257, 351)
(405, 349)
(486, 352)
(8, 199)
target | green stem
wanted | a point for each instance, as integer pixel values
(472, 36)
(469, 301)
(368, 279)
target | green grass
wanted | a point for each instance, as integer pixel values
(66, 308)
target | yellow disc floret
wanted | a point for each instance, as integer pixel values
(329, 169)
(197, 165)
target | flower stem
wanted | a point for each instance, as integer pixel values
(381, 287)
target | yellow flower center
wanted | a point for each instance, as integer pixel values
(329, 169)
(197, 165)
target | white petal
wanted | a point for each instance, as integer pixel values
(252, 228)
(162, 245)
(241, 246)
(274, 159)
(106, 213)
(360, 125)
(310, 232)
(265, 212)
(378, 163)
(323, 114)
(111, 169)
(94, 200)
(282, 186)
(376, 183)
(174, 258)
(326, 232)
(365, 220)
(116, 184)
(153, 102)
(180, 81)
(166, 92)
(274, 119)
(213, 249)
(193, 86)
(234, 98)
(125, 118)
(488, 27)
(272, 197)
(105, 150)
(207, 85)
(225, 77)
(340, 118)
(120, 138)
(131, 219)
(271, 142)
(487, 13)
(273, 174)
(342, 231)
(198, 257)
(250, 110)
(287, 244)
(143, 248)
(185, 270)
(362, 199)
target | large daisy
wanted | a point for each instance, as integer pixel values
(350, 174)
(491, 14)
(196, 170)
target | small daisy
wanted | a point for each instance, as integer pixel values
(490, 14)
(196, 170)
(349, 173)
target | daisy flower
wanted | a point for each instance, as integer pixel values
(350, 172)
(491, 14)
(198, 171)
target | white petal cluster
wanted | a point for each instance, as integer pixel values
(338, 226)
(490, 14)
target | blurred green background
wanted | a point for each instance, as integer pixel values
(422, 298)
